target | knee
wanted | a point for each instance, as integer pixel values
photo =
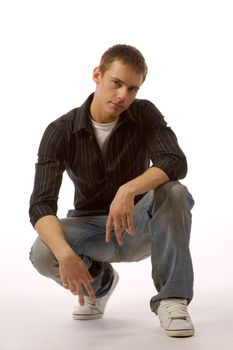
(176, 194)
(42, 258)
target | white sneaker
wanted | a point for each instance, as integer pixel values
(92, 310)
(174, 318)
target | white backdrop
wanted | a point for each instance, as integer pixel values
(48, 51)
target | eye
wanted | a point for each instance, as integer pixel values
(133, 89)
(117, 83)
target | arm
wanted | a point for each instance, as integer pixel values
(73, 271)
(169, 163)
(121, 208)
(43, 207)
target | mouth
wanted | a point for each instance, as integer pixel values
(117, 106)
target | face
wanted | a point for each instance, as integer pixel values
(116, 89)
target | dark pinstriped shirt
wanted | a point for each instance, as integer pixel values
(140, 139)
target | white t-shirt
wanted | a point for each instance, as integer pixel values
(102, 133)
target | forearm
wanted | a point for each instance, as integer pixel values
(150, 179)
(74, 273)
(50, 231)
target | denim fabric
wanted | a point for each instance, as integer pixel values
(162, 220)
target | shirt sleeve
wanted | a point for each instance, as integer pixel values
(48, 174)
(164, 150)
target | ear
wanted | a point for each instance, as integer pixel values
(96, 76)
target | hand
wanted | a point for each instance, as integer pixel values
(75, 276)
(121, 214)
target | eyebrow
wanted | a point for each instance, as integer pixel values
(129, 87)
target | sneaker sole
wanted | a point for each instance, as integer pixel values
(180, 333)
(86, 317)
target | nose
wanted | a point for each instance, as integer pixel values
(122, 93)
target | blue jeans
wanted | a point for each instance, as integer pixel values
(162, 220)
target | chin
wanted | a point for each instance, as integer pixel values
(112, 112)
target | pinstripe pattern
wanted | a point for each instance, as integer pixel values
(140, 137)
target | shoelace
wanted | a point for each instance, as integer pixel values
(176, 310)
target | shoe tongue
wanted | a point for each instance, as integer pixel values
(178, 318)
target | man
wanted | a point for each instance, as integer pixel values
(124, 162)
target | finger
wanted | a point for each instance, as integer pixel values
(89, 276)
(118, 230)
(109, 229)
(80, 295)
(72, 288)
(65, 285)
(90, 291)
(130, 224)
(124, 223)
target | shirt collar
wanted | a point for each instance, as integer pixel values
(83, 112)
(82, 116)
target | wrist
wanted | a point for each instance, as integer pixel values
(65, 253)
(129, 188)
